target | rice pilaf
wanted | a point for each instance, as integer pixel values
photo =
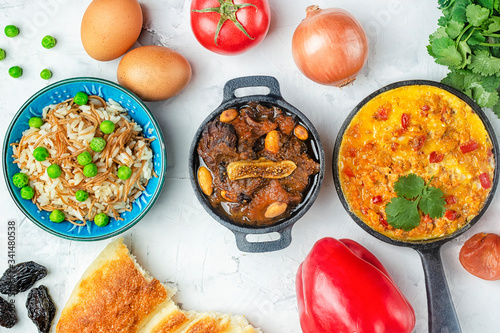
(67, 131)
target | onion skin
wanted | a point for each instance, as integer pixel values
(330, 46)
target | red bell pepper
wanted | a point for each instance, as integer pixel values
(342, 287)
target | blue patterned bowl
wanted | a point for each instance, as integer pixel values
(56, 93)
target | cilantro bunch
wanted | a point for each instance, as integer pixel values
(403, 211)
(468, 42)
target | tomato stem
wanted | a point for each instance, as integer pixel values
(227, 11)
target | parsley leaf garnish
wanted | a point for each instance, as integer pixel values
(468, 42)
(413, 195)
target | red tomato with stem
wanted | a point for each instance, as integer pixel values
(230, 27)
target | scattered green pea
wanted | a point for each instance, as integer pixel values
(101, 220)
(107, 126)
(15, 71)
(35, 122)
(81, 195)
(11, 31)
(27, 193)
(124, 172)
(57, 216)
(97, 144)
(90, 170)
(40, 154)
(45, 74)
(48, 42)
(81, 98)
(20, 180)
(54, 171)
(84, 158)
(3, 54)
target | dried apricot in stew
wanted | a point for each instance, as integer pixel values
(480, 256)
(261, 166)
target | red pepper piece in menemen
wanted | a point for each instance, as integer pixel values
(469, 146)
(484, 178)
(435, 157)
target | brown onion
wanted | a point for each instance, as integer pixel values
(330, 46)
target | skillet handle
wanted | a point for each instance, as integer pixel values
(442, 315)
(258, 247)
(251, 81)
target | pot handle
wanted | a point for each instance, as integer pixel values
(258, 247)
(442, 315)
(251, 81)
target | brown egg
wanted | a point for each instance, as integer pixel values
(154, 72)
(110, 27)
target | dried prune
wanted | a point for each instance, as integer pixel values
(8, 316)
(21, 277)
(41, 308)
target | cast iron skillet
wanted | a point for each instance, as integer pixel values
(283, 227)
(442, 315)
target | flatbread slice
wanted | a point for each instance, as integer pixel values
(114, 295)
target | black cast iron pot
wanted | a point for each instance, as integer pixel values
(284, 226)
(442, 315)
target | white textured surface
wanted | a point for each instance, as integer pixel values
(178, 241)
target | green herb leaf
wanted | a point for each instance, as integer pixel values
(446, 53)
(432, 202)
(485, 3)
(454, 28)
(413, 194)
(439, 33)
(468, 42)
(476, 14)
(484, 98)
(483, 63)
(402, 213)
(490, 83)
(455, 79)
(476, 38)
(465, 52)
(496, 109)
(409, 186)
(458, 11)
(492, 24)
(445, 3)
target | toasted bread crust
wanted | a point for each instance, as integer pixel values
(112, 296)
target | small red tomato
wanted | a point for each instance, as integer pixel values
(468, 147)
(381, 114)
(426, 108)
(394, 146)
(450, 214)
(230, 27)
(405, 120)
(450, 200)
(435, 157)
(377, 199)
(484, 178)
